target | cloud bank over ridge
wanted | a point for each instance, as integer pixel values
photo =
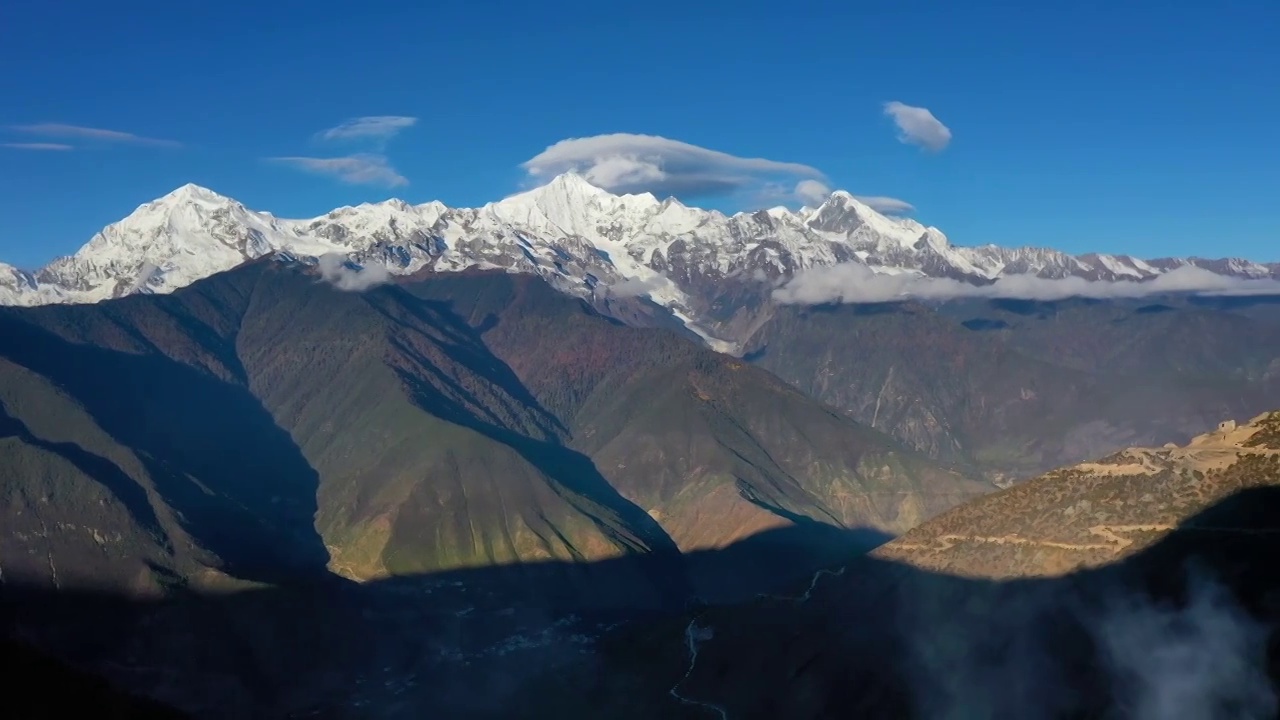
(853, 283)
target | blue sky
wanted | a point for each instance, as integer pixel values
(1143, 127)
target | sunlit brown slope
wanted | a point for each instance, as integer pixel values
(1096, 512)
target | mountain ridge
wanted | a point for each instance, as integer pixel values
(582, 239)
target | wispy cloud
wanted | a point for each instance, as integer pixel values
(630, 163)
(36, 146)
(370, 127)
(362, 169)
(813, 193)
(637, 287)
(62, 130)
(918, 126)
(856, 283)
(886, 205)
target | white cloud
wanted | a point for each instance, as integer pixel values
(371, 127)
(36, 146)
(364, 168)
(636, 287)
(1190, 661)
(87, 133)
(886, 205)
(335, 270)
(856, 283)
(630, 163)
(918, 126)
(812, 192)
(361, 169)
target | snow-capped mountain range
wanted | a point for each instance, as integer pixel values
(583, 239)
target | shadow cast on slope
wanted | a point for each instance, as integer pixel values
(130, 495)
(240, 485)
(461, 343)
(1185, 630)
(574, 475)
(70, 692)
(452, 644)
(1147, 637)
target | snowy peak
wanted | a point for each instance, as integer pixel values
(190, 203)
(14, 279)
(845, 200)
(839, 214)
(567, 191)
(170, 242)
(188, 210)
(570, 204)
(571, 186)
(192, 193)
(844, 215)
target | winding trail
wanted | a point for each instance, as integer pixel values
(694, 635)
(1114, 535)
(48, 546)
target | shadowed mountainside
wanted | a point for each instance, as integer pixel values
(452, 643)
(68, 692)
(150, 436)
